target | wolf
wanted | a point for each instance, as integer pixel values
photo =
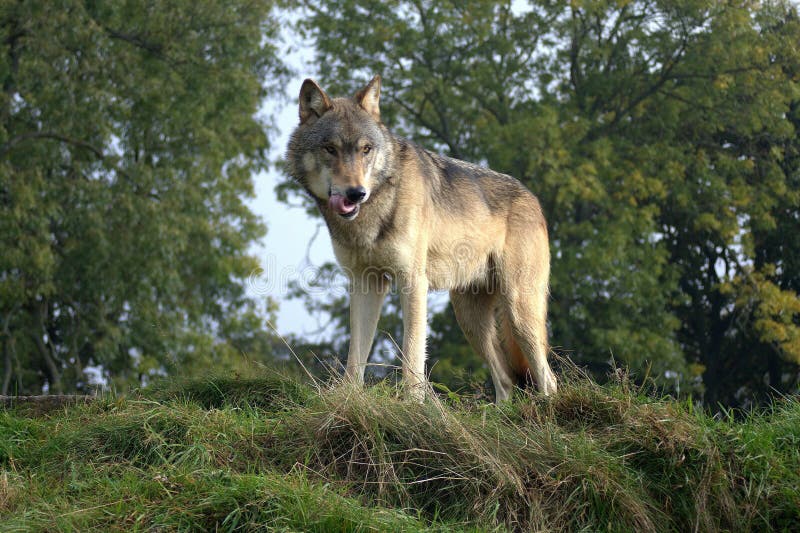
(398, 212)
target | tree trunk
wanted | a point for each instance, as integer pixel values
(8, 350)
(774, 369)
(7, 366)
(45, 350)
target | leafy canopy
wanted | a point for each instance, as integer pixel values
(661, 138)
(128, 141)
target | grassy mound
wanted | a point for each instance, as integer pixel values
(271, 453)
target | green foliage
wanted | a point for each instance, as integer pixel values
(662, 141)
(128, 141)
(200, 455)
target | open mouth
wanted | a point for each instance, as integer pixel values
(343, 207)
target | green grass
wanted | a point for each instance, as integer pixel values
(271, 453)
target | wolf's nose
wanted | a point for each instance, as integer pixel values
(356, 194)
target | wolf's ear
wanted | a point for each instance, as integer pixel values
(313, 101)
(369, 98)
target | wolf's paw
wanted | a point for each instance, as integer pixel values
(547, 383)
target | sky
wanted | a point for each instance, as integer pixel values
(284, 253)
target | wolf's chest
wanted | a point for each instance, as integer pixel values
(386, 257)
(448, 267)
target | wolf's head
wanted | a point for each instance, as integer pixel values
(340, 150)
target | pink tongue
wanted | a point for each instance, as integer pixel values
(340, 204)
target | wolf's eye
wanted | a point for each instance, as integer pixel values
(330, 149)
(367, 149)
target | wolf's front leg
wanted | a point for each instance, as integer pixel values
(367, 291)
(414, 300)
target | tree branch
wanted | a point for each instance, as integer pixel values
(50, 135)
(156, 49)
(8, 146)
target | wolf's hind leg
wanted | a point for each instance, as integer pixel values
(475, 314)
(527, 309)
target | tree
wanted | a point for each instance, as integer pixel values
(662, 140)
(127, 144)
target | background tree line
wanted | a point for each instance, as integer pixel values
(661, 138)
(128, 141)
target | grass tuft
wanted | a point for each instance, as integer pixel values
(270, 452)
